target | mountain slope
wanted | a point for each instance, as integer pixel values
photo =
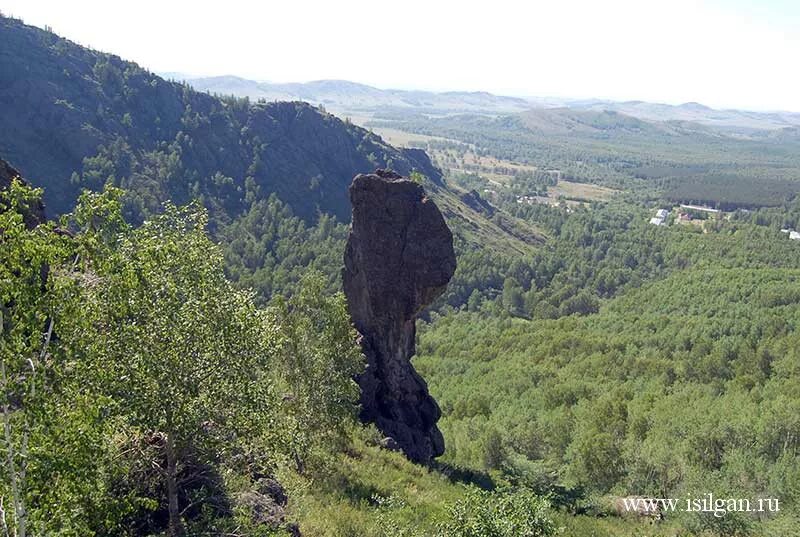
(75, 118)
(566, 120)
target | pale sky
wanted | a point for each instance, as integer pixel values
(723, 53)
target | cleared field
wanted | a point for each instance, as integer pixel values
(496, 170)
(582, 191)
(400, 138)
(491, 162)
(396, 137)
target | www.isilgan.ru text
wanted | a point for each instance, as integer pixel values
(705, 504)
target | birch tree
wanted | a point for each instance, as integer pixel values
(30, 304)
(183, 353)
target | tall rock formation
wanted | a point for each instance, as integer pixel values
(399, 258)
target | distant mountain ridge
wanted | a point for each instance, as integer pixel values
(342, 94)
(352, 96)
(697, 113)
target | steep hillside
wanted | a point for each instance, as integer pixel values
(269, 173)
(482, 226)
(74, 118)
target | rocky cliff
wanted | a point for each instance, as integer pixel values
(399, 258)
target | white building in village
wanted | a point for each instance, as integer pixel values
(660, 219)
(793, 235)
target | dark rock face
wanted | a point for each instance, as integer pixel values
(399, 258)
(35, 214)
(422, 163)
(474, 201)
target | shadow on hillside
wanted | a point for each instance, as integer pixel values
(465, 476)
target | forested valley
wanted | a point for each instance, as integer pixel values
(178, 357)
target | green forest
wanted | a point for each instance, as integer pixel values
(177, 357)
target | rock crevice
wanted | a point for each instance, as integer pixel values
(399, 258)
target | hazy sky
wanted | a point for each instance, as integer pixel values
(724, 53)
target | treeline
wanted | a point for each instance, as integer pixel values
(786, 216)
(729, 192)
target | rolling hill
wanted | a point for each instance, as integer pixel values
(725, 120)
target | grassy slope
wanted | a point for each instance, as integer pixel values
(346, 502)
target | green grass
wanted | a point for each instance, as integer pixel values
(347, 502)
(377, 493)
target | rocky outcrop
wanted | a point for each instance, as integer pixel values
(474, 201)
(422, 163)
(399, 258)
(35, 214)
(267, 506)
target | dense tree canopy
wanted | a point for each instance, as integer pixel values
(126, 349)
